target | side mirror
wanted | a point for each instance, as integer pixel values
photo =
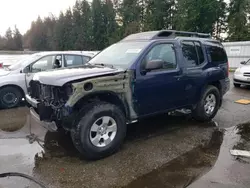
(243, 62)
(154, 65)
(25, 70)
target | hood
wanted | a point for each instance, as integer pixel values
(61, 77)
(4, 72)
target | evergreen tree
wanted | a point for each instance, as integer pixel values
(98, 25)
(238, 21)
(17, 39)
(9, 45)
(109, 23)
(130, 12)
(196, 15)
(159, 14)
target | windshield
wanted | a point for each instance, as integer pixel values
(24, 61)
(120, 54)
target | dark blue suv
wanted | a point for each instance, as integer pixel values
(142, 75)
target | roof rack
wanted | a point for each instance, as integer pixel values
(151, 35)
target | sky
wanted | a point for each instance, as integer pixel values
(22, 12)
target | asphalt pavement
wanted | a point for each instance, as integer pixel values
(158, 152)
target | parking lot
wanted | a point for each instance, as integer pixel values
(164, 151)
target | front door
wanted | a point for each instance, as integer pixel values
(45, 63)
(161, 89)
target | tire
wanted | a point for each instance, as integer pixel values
(81, 133)
(199, 113)
(10, 97)
(236, 85)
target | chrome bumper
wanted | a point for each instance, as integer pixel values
(51, 126)
(31, 101)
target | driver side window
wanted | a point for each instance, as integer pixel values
(43, 64)
(164, 52)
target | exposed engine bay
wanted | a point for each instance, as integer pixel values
(51, 99)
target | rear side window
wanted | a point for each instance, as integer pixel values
(73, 60)
(193, 54)
(217, 54)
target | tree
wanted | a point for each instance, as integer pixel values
(109, 21)
(9, 45)
(159, 14)
(238, 21)
(130, 13)
(98, 25)
(17, 39)
(196, 15)
(220, 25)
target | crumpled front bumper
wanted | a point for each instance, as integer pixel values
(51, 126)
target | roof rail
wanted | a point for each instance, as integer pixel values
(151, 35)
(174, 33)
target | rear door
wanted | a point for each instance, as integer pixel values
(194, 63)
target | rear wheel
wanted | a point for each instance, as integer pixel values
(10, 97)
(236, 85)
(100, 130)
(208, 105)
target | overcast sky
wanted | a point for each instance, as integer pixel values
(23, 12)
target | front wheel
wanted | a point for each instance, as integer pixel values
(100, 130)
(10, 97)
(208, 105)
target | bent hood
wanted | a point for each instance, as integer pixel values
(61, 77)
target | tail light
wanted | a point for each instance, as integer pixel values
(1, 65)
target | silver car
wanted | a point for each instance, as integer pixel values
(14, 80)
(242, 74)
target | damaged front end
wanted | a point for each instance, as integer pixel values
(50, 100)
(57, 104)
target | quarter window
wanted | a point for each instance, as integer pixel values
(217, 54)
(164, 52)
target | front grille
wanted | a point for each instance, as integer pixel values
(35, 89)
(247, 74)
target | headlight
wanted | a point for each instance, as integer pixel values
(237, 71)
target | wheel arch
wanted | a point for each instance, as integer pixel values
(106, 96)
(14, 86)
(216, 84)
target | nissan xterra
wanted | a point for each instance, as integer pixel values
(142, 75)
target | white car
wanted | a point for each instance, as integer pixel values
(242, 74)
(14, 80)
